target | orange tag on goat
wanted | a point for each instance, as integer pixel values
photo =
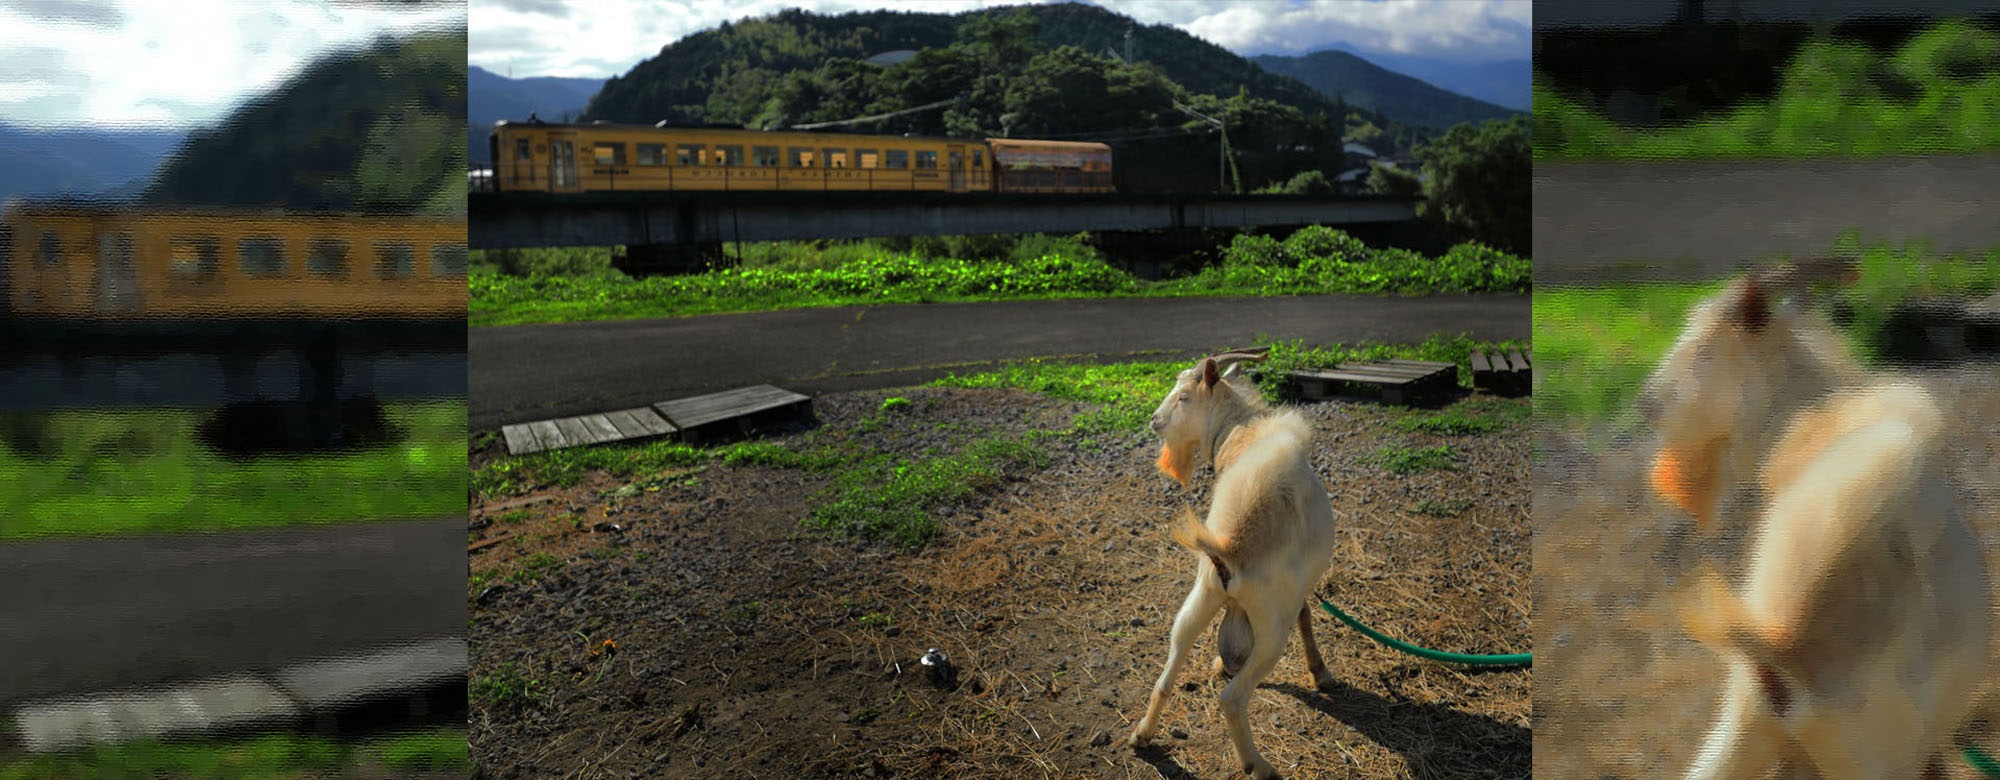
(1173, 464)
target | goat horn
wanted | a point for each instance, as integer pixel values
(1799, 273)
(1234, 356)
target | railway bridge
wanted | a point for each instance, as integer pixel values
(676, 231)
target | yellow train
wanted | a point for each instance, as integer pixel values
(64, 261)
(571, 158)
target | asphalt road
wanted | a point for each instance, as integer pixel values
(1660, 220)
(89, 615)
(522, 373)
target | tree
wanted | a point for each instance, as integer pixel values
(1481, 181)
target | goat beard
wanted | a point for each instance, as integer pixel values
(1672, 481)
(1178, 464)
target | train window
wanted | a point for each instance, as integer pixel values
(802, 157)
(326, 257)
(51, 249)
(927, 159)
(835, 158)
(730, 155)
(978, 159)
(521, 151)
(764, 155)
(866, 158)
(394, 260)
(609, 154)
(896, 158)
(652, 154)
(262, 256)
(448, 260)
(194, 256)
(688, 154)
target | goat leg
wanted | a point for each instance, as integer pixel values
(1270, 634)
(1195, 615)
(1322, 679)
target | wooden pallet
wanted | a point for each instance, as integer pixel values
(1392, 381)
(619, 426)
(733, 412)
(1508, 374)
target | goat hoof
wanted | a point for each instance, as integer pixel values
(1138, 739)
(1326, 684)
(1261, 770)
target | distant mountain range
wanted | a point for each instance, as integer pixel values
(1393, 93)
(42, 162)
(1503, 83)
(491, 97)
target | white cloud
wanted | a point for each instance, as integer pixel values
(1459, 29)
(607, 37)
(143, 62)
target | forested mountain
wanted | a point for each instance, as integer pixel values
(1047, 71)
(375, 129)
(86, 161)
(491, 97)
(1364, 83)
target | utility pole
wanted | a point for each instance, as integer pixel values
(1222, 165)
(1128, 44)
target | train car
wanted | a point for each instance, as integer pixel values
(65, 261)
(575, 158)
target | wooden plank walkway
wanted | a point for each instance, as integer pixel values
(621, 425)
(702, 417)
(733, 412)
(1393, 381)
(1508, 374)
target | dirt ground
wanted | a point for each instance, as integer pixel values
(1622, 693)
(745, 648)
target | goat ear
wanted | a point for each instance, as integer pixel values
(1753, 305)
(1209, 376)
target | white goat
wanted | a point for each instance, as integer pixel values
(1268, 540)
(1859, 633)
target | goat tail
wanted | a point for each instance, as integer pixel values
(1191, 533)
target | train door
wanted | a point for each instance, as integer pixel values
(955, 158)
(562, 163)
(117, 275)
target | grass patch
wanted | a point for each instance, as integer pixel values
(1837, 99)
(506, 687)
(1447, 508)
(515, 474)
(900, 508)
(1603, 340)
(141, 471)
(1450, 424)
(1415, 460)
(270, 756)
(536, 567)
(1312, 261)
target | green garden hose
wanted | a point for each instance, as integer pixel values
(1980, 761)
(1509, 659)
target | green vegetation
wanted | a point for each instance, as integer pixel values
(1604, 340)
(272, 756)
(1025, 72)
(1937, 95)
(115, 472)
(872, 494)
(506, 687)
(1314, 260)
(1452, 507)
(1414, 460)
(373, 129)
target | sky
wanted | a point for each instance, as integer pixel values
(178, 63)
(602, 38)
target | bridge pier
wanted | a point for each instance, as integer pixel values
(1151, 254)
(642, 260)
